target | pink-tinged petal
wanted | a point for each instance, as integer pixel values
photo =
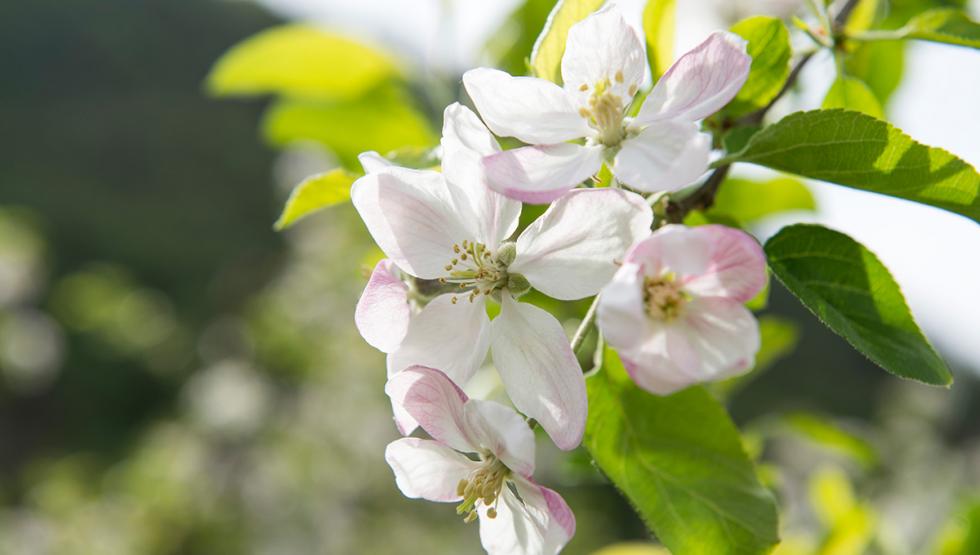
(603, 47)
(533, 110)
(540, 525)
(503, 432)
(621, 314)
(383, 312)
(665, 156)
(541, 174)
(701, 82)
(576, 246)
(541, 374)
(412, 216)
(403, 420)
(435, 402)
(373, 162)
(465, 141)
(451, 337)
(664, 363)
(724, 334)
(737, 267)
(427, 470)
(672, 248)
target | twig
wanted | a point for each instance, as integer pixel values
(583, 328)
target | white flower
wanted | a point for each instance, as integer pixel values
(501, 445)
(674, 311)
(602, 68)
(451, 227)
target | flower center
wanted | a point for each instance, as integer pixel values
(664, 298)
(605, 111)
(483, 485)
(477, 271)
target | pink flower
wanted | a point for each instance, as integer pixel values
(535, 521)
(451, 227)
(662, 149)
(674, 310)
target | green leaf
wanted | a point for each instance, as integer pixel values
(509, 44)
(850, 93)
(825, 433)
(680, 461)
(382, 121)
(658, 27)
(770, 50)
(948, 26)
(880, 65)
(736, 138)
(848, 289)
(550, 46)
(750, 201)
(315, 193)
(863, 16)
(302, 61)
(854, 149)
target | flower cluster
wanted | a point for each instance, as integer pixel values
(670, 300)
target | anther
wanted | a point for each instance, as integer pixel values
(584, 87)
(619, 76)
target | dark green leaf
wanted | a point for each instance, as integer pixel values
(854, 149)
(680, 461)
(848, 289)
(770, 50)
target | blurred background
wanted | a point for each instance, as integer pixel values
(176, 377)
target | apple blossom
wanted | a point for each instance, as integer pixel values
(450, 227)
(674, 310)
(662, 149)
(533, 521)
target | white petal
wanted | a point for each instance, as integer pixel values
(383, 312)
(701, 82)
(465, 141)
(737, 267)
(724, 334)
(403, 420)
(663, 363)
(540, 174)
(412, 216)
(533, 110)
(621, 313)
(435, 402)
(503, 432)
(451, 337)
(541, 525)
(665, 156)
(425, 469)
(575, 247)
(373, 162)
(672, 248)
(603, 47)
(539, 370)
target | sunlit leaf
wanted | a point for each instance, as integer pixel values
(383, 121)
(680, 461)
(851, 93)
(863, 16)
(510, 44)
(854, 149)
(302, 61)
(848, 289)
(770, 50)
(315, 193)
(850, 524)
(632, 548)
(825, 433)
(658, 26)
(548, 49)
(947, 25)
(749, 201)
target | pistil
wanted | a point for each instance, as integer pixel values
(476, 270)
(664, 298)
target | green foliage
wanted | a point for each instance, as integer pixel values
(880, 65)
(848, 289)
(854, 149)
(850, 93)
(509, 45)
(949, 26)
(770, 50)
(384, 120)
(658, 26)
(315, 193)
(748, 201)
(680, 461)
(297, 60)
(850, 524)
(550, 46)
(824, 433)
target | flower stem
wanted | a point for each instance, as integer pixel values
(585, 326)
